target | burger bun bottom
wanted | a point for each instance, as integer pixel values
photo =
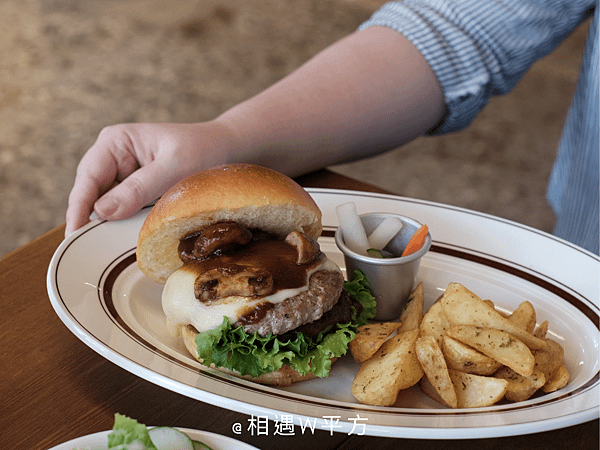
(285, 376)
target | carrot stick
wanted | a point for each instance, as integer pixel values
(416, 241)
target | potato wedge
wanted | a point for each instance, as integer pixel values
(412, 313)
(369, 338)
(474, 391)
(432, 392)
(434, 365)
(558, 380)
(549, 358)
(524, 316)
(466, 359)
(541, 330)
(498, 345)
(521, 388)
(434, 323)
(392, 368)
(490, 303)
(493, 306)
(462, 307)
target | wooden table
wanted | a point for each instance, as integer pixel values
(54, 388)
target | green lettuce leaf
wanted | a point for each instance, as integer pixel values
(252, 354)
(125, 431)
(358, 289)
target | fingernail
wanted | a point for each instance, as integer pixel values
(106, 207)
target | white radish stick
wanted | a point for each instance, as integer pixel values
(352, 228)
(385, 231)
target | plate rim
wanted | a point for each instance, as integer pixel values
(148, 374)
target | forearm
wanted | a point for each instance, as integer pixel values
(480, 48)
(368, 93)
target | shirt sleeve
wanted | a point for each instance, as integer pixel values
(480, 48)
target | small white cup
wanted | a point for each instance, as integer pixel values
(392, 279)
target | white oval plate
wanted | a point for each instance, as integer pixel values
(97, 290)
(99, 441)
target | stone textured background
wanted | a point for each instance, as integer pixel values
(68, 68)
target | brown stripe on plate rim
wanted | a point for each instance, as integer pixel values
(122, 262)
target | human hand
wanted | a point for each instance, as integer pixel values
(319, 108)
(131, 165)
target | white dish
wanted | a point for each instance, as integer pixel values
(99, 293)
(98, 441)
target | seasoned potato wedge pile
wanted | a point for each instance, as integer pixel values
(462, 352)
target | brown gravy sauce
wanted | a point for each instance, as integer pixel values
(263, 251)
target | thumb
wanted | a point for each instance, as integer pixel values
(134, 192)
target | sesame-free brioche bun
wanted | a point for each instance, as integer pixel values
(285, 376)
(254, 196)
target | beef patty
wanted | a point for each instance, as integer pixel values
(324, 289)
(340, 313)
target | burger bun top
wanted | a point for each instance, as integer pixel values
(254, 196)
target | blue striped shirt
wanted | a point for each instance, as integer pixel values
(481, 48)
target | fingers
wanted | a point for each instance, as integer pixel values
(131, 165)
(120, 200)
(134, 192)
(81, 203)
(97, 172)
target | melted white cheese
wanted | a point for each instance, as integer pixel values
(182, 308)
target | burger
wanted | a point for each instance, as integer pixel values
(246, 285)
